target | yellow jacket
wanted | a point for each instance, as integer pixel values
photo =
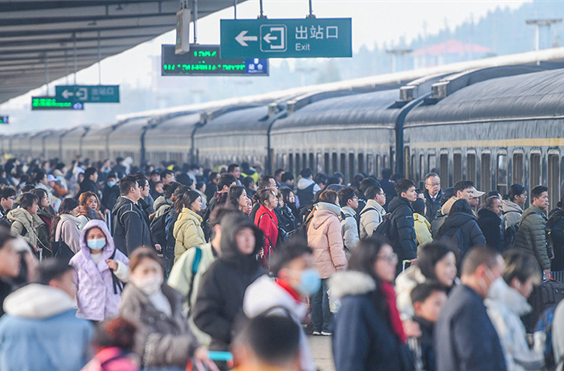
(187, 232)
(422, 230)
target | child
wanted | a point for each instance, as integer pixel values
(100, 271)
(428, 300)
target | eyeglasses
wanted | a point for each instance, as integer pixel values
(391, 259)
(381, 194)
(433, 184)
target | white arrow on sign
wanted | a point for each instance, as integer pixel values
(268, 38)
(66, 94)
(241, 38)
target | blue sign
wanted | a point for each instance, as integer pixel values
(4, 119)
(286, 38)
(87, 93)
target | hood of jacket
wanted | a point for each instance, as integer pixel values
(185, 217)
(37, 302)
(23, 216)
(161, 201)
(75, 219)
(398, 202)
(488, 215)
(421, 219)
(122, 203)
(502, 293)
(351, 283)
(511, 206)
(325, 210)
(230, 225)
(448, 205)
(108, 249)
(456, 220)
(554, 216)
(303, 183)
(348, 211)
(265, 293)
(376, 205)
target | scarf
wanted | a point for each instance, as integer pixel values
(395, 321)
(289, 289)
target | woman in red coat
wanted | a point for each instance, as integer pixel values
(267, 221)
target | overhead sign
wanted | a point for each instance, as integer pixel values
(286, 38)
(47, 103)
(4, 119)
(87, 93)
(204, 60)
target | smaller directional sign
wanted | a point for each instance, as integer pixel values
(87, 93)
(286, 38)
(47, 103)
(4, 119)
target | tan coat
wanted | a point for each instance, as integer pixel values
(325, 238)
(24, 224)
(187, 232)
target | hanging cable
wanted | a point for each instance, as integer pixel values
(311, 15)
(261, 15)
(234, 9)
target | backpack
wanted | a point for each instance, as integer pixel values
(544, 324)
(510, 233)
(158, 229)
(118, 285)
(385, 229)
(454, 237)
(195, 265)
(302, 229)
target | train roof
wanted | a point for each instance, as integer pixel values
(528, 96)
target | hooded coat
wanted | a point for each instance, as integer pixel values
(162, 205)
(187, 232)
(130, 229)
(221, 292)
(97, 300)
(461, 228)
(306, 189)
(362, 338)
(402, 224)
(370, 217)
(512, 213)
(506, 306)
(422, 230)
(324, 237)
(349, 228)
(69, 232)
(492, 228)
(41, 332)
(24, 224)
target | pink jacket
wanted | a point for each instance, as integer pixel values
(325, 238)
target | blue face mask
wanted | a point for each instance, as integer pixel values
(309, 282)
(96, 244)
(111, 184)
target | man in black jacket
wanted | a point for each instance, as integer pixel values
(89, 182)
(130, 228)
(464, 335)
(491, 224)
(7, 199)
(402, 230)
(220, 296)
(433, 195)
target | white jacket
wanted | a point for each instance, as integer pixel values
(265, 294)
(370, 219)
(349, 228)
(505, 307)
(405, 283)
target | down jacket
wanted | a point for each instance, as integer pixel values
(531, 235)
(130, 228)
(422, 230)
(403, 235)
(187, 232)
(461, 228)
(324, 237)
(96, 298)
(161, 340)
(349, 228)
(512, 213)
(24, 224)
(370, 219)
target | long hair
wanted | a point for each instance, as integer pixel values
(186, 200)
(233, 197)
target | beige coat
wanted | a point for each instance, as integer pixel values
(187, 232)
(24, 224)
(325, 238)
(422, 230)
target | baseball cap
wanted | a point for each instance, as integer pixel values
(478, 193)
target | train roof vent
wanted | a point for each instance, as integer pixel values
(290, 107)
(439, 90)
(273, 109)
(408, 93)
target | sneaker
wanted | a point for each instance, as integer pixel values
(317, 333)
(326, 333)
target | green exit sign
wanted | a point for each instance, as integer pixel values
(46, 103)
(4, 119)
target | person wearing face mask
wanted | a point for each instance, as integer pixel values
(101, 270)
(66, 225)
(436, 262)
(188, 227)
(222, 289)
(110, 194)
(163, 338)
(507, 302)
(296, 278)
(464, 335)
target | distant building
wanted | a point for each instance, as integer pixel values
(451, 51)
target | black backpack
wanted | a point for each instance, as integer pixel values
(385, 229)
(158, 229)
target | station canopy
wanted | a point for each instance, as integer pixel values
(37, 38)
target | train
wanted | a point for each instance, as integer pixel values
(495, 121)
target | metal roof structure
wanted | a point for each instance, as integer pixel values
(39, 39)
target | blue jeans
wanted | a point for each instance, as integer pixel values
(168, 257)
(320, 314)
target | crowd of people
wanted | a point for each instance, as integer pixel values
(108, 266)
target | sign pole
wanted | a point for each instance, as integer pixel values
(99, 63)
(311, 15)
(195, 21)
(261, 10)
(234, 9)
(74, 47)
(46, 74)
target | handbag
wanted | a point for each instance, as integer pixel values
(61, 251)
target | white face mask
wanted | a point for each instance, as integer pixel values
(149, 285)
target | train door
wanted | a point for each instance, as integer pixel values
(553, 178)
(518, 168)
(334, 163)
(534, 170)
(444, 170)
(486, 172)
(291, 163)
(361, 165)
(326, 163)
(501, 173)
(351, 169)
(471, 167)
(456, 167)
(370, 164)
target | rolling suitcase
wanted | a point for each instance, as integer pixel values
(545, 295)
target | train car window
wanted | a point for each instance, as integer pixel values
(443, 170)
(502, 173)
(298, 166)
(518, 168)
(471, 167)
(326, 163)
(486, 170)
(553, 180)
(422, 171)
(535, 170)
(291, 163)
(304, 162)
(457, 168)
(351, 167)
(414, 174)
(312, 162)
(343, 165)
(407, 165)
(384, 162)
(377, 166)
(319, 163)
(370, 164)
(361, 166)
(432, 163)
(284, 161)
(334, 163)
